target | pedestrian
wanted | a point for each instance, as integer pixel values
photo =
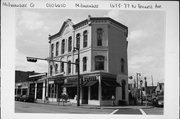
(113, 100)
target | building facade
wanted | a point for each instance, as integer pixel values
(102, 44)
(24, 85)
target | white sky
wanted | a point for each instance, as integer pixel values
(146, 37)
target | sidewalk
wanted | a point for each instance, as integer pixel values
(68, 104)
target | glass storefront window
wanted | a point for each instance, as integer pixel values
(107, 92)
(52, 91)
(94, 92)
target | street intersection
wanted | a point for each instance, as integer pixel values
(23, 107)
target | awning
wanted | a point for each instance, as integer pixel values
(111, 83)
(90, 83)
(71, 84)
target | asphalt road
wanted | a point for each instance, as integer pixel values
(23, 107)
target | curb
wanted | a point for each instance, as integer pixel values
(98, 107)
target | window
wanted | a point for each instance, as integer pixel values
(99, 62)
(52, 50)
(62, 66)
(122, 65)
(123, 83)
(78, 41)
(56, 68)
(57, 48)
(69, 67)
(94, 92)
(63, 47)
(51, 68)
(71, 91)
(108, 92)
(52, 91)
(70, 44)
(84, 63)
(85, 39)
(99, 36)
(76, 61)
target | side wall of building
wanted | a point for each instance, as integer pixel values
(117, 57)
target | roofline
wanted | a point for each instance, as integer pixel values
(86, 20)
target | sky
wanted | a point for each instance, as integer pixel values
(146, 37)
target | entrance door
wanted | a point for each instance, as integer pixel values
(85, 95)
(39, 90)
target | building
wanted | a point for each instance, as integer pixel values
(22, 82)
(27, 83)
(159, 89)
(102, 44)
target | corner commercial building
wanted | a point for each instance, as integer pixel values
(102, 43)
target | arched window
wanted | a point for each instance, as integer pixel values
(122, 65)
(62, 66)
(123, 83)
(52, 50)
(57, 48)
(69, 67)
(51, 70)
(78, 40)
(76, 61)
(56, 68)
(99, 62)
(70, 44)
(99, 36)
(63, 46)
(85, 39)
(84, 63)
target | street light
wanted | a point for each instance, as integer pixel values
(78, 80)
(141, 91)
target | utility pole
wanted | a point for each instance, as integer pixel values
(137, 75)
(152, 79)
(78, 80)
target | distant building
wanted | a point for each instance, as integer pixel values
(159, 88)
(150, 90)
(22, 82)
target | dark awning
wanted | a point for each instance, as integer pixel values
(90, 83)
(111, 83)
(70, 84)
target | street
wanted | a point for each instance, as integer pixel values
(23, 107)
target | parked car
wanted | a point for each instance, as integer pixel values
(27, 98)
(158, 101)
(17, 97)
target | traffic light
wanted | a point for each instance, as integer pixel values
(31, 59)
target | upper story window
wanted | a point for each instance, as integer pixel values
(122, 65)
(63, 46)
(84, 63)
(62, 66)
(57, 48)
(69, 67)
(99, 36)
(56, 68)
(78, 40)
(99, 62)
(69, 44)
(51, 70)
(52, 50)
(85, 39)
(76, 61)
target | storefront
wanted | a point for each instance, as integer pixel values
(95, 89)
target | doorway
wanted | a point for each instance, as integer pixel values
(85, 95)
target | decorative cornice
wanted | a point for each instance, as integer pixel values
(89, 21)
